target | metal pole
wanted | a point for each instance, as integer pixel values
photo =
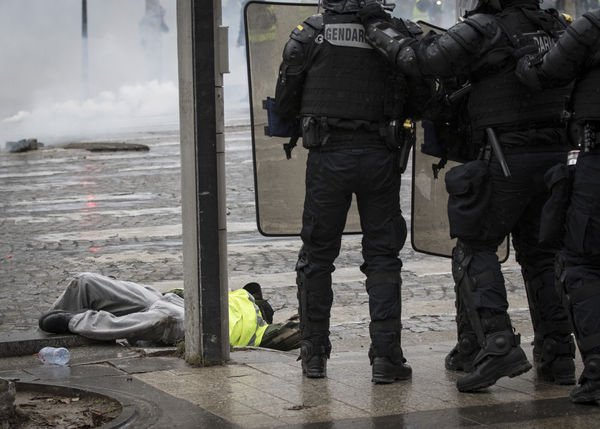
(202, 44)
(84, 49)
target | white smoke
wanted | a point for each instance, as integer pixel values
(138, 107)
(45, 94)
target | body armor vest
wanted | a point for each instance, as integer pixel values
(347, 78)
(586, 97)
(497, 98)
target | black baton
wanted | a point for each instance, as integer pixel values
(497, 149)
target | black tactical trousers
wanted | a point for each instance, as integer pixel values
(332, 177)
(515, 207)
(581, 252)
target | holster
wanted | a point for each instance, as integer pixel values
(314, 132)
(400, 137)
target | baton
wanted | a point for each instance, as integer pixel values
(458, 94)
(497, 149)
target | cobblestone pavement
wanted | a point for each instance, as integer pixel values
(118, 213)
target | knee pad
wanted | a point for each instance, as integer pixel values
(554, 347)
(461, 259)
(467, 343)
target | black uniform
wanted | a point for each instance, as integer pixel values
(577, 56)
(345, 94)
(485, 206)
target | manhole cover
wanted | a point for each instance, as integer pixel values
(47, 406)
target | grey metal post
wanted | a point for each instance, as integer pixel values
(202, 51)
(84, 50)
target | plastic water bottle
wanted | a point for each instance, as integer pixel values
(54, 356)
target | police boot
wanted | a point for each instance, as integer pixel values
(588, 388)
(501, 356)
(463, 354)
(314, 354)
(385, 354)
(556, 362)
(387, 369)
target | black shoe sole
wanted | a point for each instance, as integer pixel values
(567, 380)
(383, 378)
(522, 368)
(390, 380)
(314, 374)
(560, 379)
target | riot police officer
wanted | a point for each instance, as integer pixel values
(575, 56)
(488, 199)
(348, 100)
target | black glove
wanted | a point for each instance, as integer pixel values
(527, 72)
(372, 11)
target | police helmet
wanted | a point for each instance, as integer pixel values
(468, 7)
(345, 6)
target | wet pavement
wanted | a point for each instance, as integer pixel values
(63, 211)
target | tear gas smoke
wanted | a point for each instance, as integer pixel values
(131, 71)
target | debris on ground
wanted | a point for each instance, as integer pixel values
(106, 146)
(35, 410)
(23, 145)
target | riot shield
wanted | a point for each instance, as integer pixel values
(430, 230)
(278, 182)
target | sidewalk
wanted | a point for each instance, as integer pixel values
(262, 388)
(118, 213)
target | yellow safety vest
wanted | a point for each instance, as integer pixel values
(246, 325)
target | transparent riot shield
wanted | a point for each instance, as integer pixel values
(430, 230)
(278, 182)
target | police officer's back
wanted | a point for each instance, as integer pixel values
(346, 96)
(577, 56)
(489, 199)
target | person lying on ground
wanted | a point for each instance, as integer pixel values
(107, 309)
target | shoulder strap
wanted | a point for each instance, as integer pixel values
(308, 30)
(484, 23)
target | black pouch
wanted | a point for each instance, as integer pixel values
(559, 180)
(469, 191)
(277, 126)
(313, 134)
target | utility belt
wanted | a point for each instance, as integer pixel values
(324, 134)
